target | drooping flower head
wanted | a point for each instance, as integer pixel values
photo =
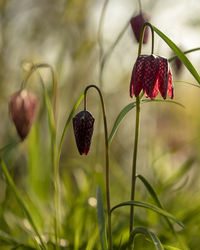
(23, 107)
(152, 74)
(137, 24)
(83, 124)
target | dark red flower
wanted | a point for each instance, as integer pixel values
(137, 24)
(23, 107)
(83, 124)
(152, 74)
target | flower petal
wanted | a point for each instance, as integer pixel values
(137, 76)
(155, 91)
(150, 75)
(163, 76)
(170, 90)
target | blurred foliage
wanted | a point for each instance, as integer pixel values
(64, 34)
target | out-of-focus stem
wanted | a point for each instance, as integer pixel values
(53, 143)
(54, 81)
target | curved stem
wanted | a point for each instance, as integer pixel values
(142, 36)
(54, 82)
(107, 159)
(133, 179)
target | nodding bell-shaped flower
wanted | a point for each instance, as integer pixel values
(83, 124)
(23, 107)
(137, 23)
(152, 74)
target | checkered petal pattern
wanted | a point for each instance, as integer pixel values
(83, 124)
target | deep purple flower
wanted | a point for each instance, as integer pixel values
(83, 124)
(23, 107)
(137, 24)
(152, 74)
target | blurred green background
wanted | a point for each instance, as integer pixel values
(63, 33)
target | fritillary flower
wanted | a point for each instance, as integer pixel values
(151, 74)
(137, 24)
(83, 124)
(23, 107)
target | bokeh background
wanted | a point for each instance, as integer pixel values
(64, 34)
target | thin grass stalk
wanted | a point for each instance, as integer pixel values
(22, 204)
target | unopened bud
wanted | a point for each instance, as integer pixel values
(83, 124)
(23, 107)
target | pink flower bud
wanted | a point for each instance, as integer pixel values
(23, 107)
(83, 124)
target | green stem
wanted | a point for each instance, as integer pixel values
(133, 179)
(107, 160)
(21, 203)
(142, 36)
(137, 122)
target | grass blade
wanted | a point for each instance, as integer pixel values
(153, 194)
(101, 219)
(21, 203)
(148, 206)
(142, 230)
(179, 54)
(150, 190)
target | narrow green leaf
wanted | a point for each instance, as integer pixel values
(119, 118)
(127, 108)
(153, 194)
(148, 206)
(164, 101)
(101, 219)
(150, 190)
(185, 52)
(67, 124)
(142, 230)
(179, 54)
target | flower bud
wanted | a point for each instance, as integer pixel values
(137, 23)
(83, 124)
(23, 107)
